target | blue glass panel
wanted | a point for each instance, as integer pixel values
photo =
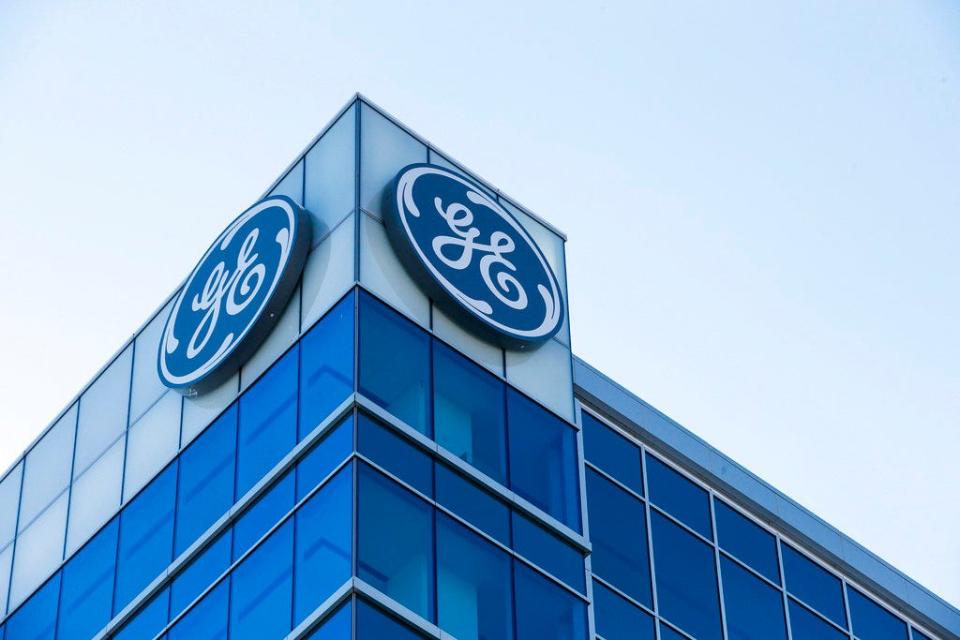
(87, 591)
(747, 541)
(678, 496)
(474, 599)
(473, 504)
(548, 552)
(262, 589)
(753, 608)
(814, 585)
(805, 625)
(37, 618)
(686, 580)
(148, 621)
(617, 618)
(543, 460)
(611, 452)
(337, 626)
(263, 515)
(206, 479)
(919, 636)
(469, 412)
(324, 536)
(331, 175)
(666, 633)
(395, 454)
(268, 421)
(545, 610)
(396, 557)
(326, 365)
(374, 624)
(200, 574)
(394, 363)
(207, 620)
(618, 531)
(870, 621)
(146, 537)
(324, 457)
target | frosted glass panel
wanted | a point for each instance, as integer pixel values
(47, 471)
(328, 274)
(545, 375)
(103, 411)
(95, 496)
(382, 273)
(385, 148)
(6, 563)
(284, 334)
(291, 185)
(331, 175)
(39, 551)
(487, 354)
(200, 411)
(152, 442)
(9, 501)
(146, 386)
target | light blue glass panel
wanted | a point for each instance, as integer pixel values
(146, 386)
(331, 175)
(95, 496)
(284, 334)
(262, 589)
(200, 411)
(103, 411)
(6, 563)
(39, 551)
(291, 185)
(545, 374)
(47, 471)
(152, 442)
(382, 273)
(329, 273)
(9, 503)
(385, 148)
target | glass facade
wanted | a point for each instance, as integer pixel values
(375, 472)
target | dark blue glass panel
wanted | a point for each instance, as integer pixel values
(805, 625)
(394, 363)
(326, 365)
(324, 528)
(473, 504)
(268, 421)
(207, 620)
(814, 585)
(36, 619)
(264, 514)
(545, 610)
(676, 495)
(754, 609)
(87, 591)
(337, 626)
(146, 537)
(200, 574)
(548, 552)
(149, 620)
(666, 633)
(469, 410)
(206, 479)
(686, 580)
(617, 618)
(618, 531)
(395, 454)
(396, 555)
(870, 621)
(324, 457)
(919, 636)
(374, 624)
(474, 598)
(262, 589)
(543, 460)
(612, 452)
(748, 542)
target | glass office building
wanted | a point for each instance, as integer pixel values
(377, 471)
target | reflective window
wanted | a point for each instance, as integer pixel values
(262, 589)
(6, 563)
(9, 501)
(395, 454)
(103, 411)
(37, 618)
(666, 633)
(618, 619)
(265, 512)
(545, 610)
(747, 541)
(337, 626)
(754, 609)
(814, 585)
(146, 386)
(473, 504)
(548, 552)
(618, 531)
(374, 624)
(686, 580)
(152, 442)
(324, 457)
(95, 496)
(326, 366)
(87, 590)
(148, 622)
(468, 410)
(611, 452)
(331, 175)
(200, 574)
(47, 468)
(39, 551)
(805, 625)
(870, 621)
(679, 497)
(207, 620)
(385, 148)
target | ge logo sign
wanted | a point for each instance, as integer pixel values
(473, 255)
(234, 296)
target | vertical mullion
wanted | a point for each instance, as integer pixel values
(646, 510)
(783, 590)
(716, 559)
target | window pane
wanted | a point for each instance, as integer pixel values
(814, 585)
(146, 386)
(919, 636)
(666, 633)
(754, 609)
(291, 185)
(6, 564)
(152, 442)
(320, 461)
(337, 626)
(686, 580)
(373, 624)
(871, 621)
(200, 411)
(747, 541)
(545, 374)
(37, 618)
(394, 363)
(326, 366)
(329, 272)
(805, 625)
(87, 590)
(396, 559)
(611, 452)
(206, 479)
(331, 175)
(262, 589)
(618, 531)
(268, 422)
(385, 148)
(47, 471)
(544, 610)
(543, 460)
(548, 552)
(618, 619)
(679, 497)
(395, 454)
(382, 273)
(473, 504)
(103, 411)
(468, 409)
(264, 514)
(9, 503)
(39, 551)
(200, 574)
(148, 622)
(95, 497)
(324, 535)
(207, 620)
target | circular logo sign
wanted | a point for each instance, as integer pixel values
(474, 254)
(234, 296)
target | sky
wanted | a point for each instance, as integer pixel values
(762, 202)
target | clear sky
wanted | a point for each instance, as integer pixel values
(762, 201)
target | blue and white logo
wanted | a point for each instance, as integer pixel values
(474, 254)
(234, 296)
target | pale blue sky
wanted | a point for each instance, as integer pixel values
(761, 198)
